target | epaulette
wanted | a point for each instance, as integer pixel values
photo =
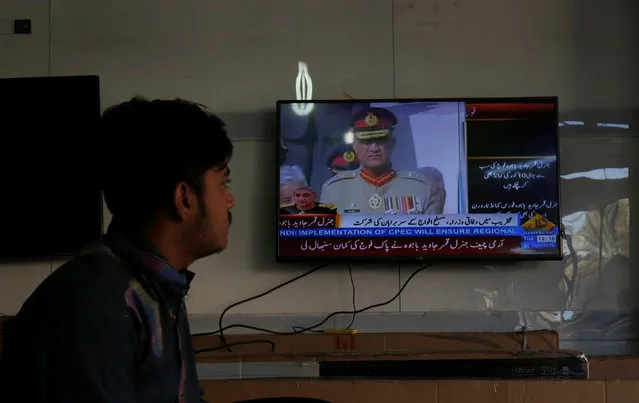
(288, 205)
(341, 176)
(327, 205)
(413, 175)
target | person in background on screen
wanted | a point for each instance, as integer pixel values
(438, 189)
(305, 202)
(110, 325)
(342, 159)
(376, 188)
(291, 177)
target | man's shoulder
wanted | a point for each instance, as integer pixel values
(341, 177)
(96, 268)
(324, 208)
(87, 292)
(93, 281)
(289, 209)
(412, 178)
(329, 206)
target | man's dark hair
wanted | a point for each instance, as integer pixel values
(150, 147)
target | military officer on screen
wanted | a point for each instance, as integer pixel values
(376, 188)
(306, 203)
(342, 159)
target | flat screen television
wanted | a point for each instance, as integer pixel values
(419, 179)
(50, 203)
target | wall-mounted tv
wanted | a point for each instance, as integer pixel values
(50, 203)
(419, 179)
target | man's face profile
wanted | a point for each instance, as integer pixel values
(210, 224)
(304, 198)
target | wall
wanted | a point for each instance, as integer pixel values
(239, 58)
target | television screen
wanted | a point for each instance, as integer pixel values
(50, 203)
(418, 180)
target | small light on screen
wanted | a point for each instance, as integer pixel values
(348, 137)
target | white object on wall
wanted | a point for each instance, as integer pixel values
(303, 90)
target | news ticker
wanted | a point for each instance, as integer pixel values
(536, 236)
(373, 246)
(427, 221)
(536, 229)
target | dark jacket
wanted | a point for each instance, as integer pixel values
(109, 326)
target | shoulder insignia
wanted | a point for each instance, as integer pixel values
(341, 176)
(327, 205)
(287, 205)
(412, 175)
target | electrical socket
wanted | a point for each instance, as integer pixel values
(22, 27)
(9, 26)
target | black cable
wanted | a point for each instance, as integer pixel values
(228, 308)
(237, 343)
(358, 311)
(350, 274)
(574, 261)
(574, 257)
(602, 212)
(300, 330)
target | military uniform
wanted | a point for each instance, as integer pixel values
(438, 190)
(403, 192)
(319, 208)
(360, 192)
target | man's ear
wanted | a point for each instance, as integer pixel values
(184, 201)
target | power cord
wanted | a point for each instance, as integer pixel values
(350, 275)
(237, 343)
(222, 329)
(574, 275)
